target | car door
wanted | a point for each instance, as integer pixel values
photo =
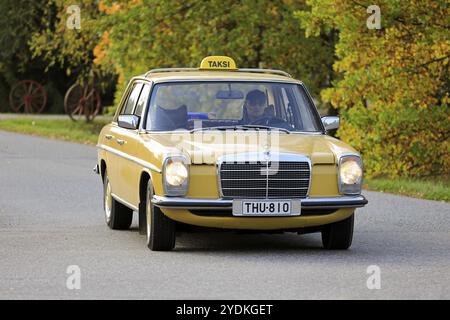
(130, 170)
(119, 141)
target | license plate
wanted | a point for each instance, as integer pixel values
(266, 207)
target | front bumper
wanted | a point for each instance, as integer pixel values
(223, 204)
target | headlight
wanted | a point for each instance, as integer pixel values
(175, 175)
(350, 174)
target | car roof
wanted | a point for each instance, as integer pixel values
(217, 68)
(208, 75)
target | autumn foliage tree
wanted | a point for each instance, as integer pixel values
(145, 34)
(19, 19)
(392, 85)
(71, 48)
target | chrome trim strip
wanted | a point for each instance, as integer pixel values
(270, 71)
(257, 70)
(278, 170)
(125, 203)
(308, 203)
(244, 188)
(227, 79)
(145, 164)
(169, 70)
(264, 179)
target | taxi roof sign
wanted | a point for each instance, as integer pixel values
(218, 63)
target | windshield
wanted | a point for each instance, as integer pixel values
(231, 104)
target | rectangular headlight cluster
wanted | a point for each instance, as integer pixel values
(175, 172)
(350, 174)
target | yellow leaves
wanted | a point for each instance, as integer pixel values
(331, 95)
(446, 99)
(105, 38)
(99, 54)
(272, 10)
(441, 49)
(114, 8)
(100, 50)
(121, 78)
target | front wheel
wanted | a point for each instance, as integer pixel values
(117, 216)
(338, 235)
(160, 229)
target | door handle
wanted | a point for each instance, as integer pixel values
(108, 136)
(120, 141)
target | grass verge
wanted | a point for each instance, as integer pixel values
(430, 188)
(61, 129)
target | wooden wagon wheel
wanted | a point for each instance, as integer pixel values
(28, 96)
(82, 101)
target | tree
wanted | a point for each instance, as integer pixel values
(70, 48)
(20, 19)
(147, 34)
(392, 93)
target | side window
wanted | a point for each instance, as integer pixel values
(143, 98)
(132, 99)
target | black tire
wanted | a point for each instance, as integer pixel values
(338, 235)
(161, 231)
(117, 215)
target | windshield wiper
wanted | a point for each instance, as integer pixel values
(214, 128)
(242, 126)
(259, 126)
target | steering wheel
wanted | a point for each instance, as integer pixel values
(272, 122)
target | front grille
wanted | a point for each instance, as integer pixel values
(286, 179)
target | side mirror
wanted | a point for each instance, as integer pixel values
(330, 122)
(128, 121)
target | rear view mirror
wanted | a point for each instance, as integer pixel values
(330, 122)
(128, 121)
(229, 94)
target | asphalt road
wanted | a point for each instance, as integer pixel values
(51, 217)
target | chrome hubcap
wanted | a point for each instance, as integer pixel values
(148, 214)
(108, 202)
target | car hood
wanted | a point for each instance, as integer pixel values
(207, 147)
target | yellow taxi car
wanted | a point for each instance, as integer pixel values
(226, 148)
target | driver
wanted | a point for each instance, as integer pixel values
(255, 105)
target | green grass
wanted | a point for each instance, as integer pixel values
(61, 129)
(430, 188)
